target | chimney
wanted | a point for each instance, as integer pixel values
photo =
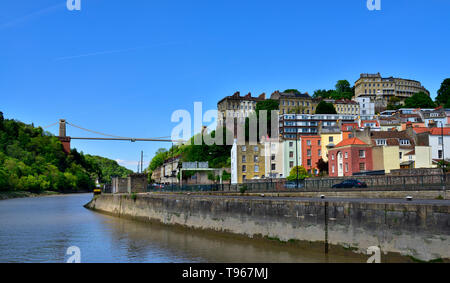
(237, 94)
(262, 96)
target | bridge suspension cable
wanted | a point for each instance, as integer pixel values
(46, 127)
(95, 132)
(119, 138)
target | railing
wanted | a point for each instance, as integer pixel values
(374, 183)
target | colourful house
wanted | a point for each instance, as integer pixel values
(349, 157)
(311, 153)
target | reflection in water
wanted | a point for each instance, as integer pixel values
(41, 230)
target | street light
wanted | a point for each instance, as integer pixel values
(443, 158)
(296, 147)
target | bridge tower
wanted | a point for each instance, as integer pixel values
(65, 140)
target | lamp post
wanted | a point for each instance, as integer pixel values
(296, 149)
(443, 159)
(171, 168)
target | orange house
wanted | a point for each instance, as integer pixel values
(311, 153)
(347, 129)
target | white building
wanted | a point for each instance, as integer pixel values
(291, 151)
(440, 143)
(366, 107)
(274, 150)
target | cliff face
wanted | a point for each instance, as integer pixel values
(421, 231)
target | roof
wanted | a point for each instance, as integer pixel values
(295, 95)
(345, 101)
(440, 131)
(352, 141)
(392, 138)
(420, 130)
(248, 97)
(413, 152)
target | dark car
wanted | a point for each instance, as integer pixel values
(350, 184)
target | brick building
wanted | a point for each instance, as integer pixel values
(349, 157)
(311, 147)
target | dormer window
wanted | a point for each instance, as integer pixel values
(404, 142)
(381, 142)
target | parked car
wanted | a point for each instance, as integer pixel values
(350, 184)
(293, 185)
(158, 186)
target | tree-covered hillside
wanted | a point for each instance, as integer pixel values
(33, 160)
(106, 168)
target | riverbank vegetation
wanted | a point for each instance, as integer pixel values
(32, 160)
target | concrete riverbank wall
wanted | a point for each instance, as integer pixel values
(418, 230)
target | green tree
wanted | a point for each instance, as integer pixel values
(343, 86)
(325, 108)
(34, 160)
(322, 166)
(302, 173)
(268, 105)
(419, 100)
(294, 91)
(443, 94)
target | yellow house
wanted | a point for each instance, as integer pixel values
(247, 162)
(420, 157)
(386, 158)
(330, 136)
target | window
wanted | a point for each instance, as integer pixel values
(256, 168)
(330, 139)
(308, 152)
(332, 169)
(244, 177)
(404, 142)
(400, 155)
(273, 166)
(244, 148)
(244, 168)
(244, 159)
(440, 154)
(255, 148)
(308, 162)
(332, 156)
(346, 167)
(308, 142)
(440, 140)
(291, 164)
(318, 142)
(320, 152)
(381, 142)
(362, 154)
(346, 155)
(362, 166)
(291, 154)
(255, 158)
(291, 144)
(273, 157)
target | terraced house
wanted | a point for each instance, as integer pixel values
(380, 90)
(247, 162)
(295, 103)
(237, 106)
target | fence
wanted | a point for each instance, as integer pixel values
(374, 183)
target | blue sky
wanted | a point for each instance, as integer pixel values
(123, 67)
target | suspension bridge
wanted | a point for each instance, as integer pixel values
(65, 140)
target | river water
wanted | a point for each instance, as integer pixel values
(42, 229)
